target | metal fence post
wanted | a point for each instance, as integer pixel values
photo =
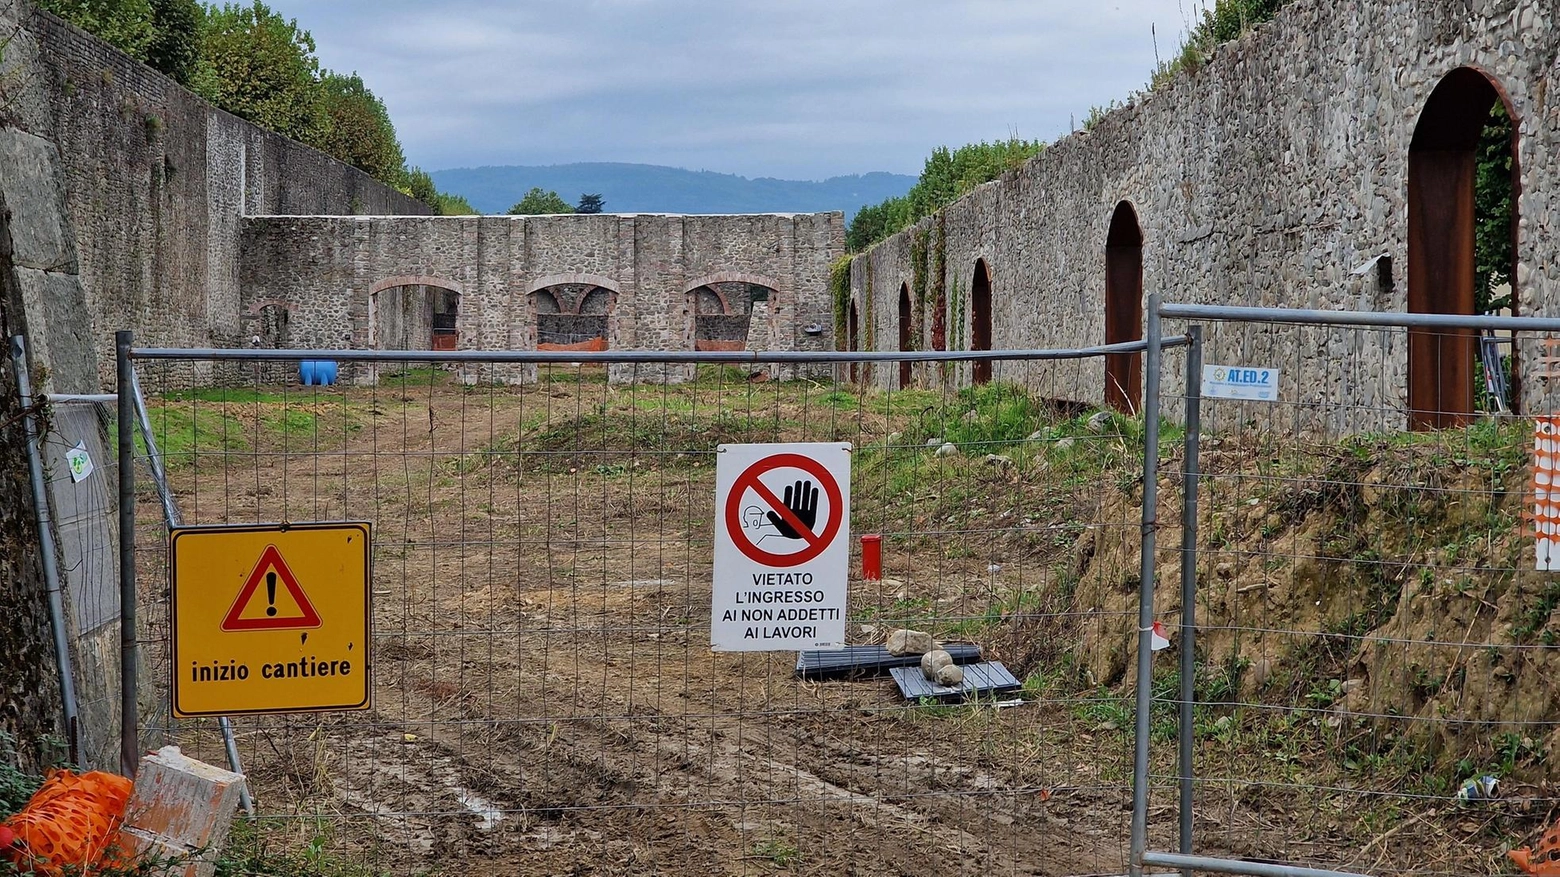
(1190, 476)
(1145, 653)
(46, 547)
(173, 519)
(129, 663)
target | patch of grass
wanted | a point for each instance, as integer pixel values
(420, 376)
(777, 850)
(182, 432)
(16, 784)
(250, 852)
(236, 394)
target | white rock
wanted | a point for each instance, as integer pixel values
(948, 449)
(950, 676)
(933, 661)
(909, 642)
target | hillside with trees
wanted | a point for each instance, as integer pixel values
(645, 188)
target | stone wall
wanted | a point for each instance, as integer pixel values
(156, 184)
(329, 273)
(122, 196)
(1262, 178)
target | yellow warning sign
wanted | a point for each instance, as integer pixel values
(270, 619)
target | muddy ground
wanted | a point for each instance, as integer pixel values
(545, 700)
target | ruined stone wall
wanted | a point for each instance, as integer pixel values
(156, 183)
(1262, 178)
(325, 272)
(121, 196)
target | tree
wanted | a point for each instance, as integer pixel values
(418, 184)
(947, 175)
(590, 204)
(261, 66)
(174, 48)
(127, 24)
(538, 202)
(358, 129)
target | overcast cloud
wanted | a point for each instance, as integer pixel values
(801, 89)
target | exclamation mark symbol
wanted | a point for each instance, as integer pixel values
(270, 593)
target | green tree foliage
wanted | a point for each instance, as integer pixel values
(261, 66)
(419, 185)
(1493, 212)
(175, 45)
(358, 129)
(590, 204)
(252, 62)
(127, 24)
(947, 175)
(538, 202)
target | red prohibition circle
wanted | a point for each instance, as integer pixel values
(816, 542)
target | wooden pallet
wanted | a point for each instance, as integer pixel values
(863, 661)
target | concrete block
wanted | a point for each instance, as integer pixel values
(181, 808)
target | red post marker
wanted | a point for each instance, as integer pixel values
(872, 557)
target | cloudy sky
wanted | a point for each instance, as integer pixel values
(799, 89)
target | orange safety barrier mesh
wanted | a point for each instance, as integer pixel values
(71, 822)
(1543, 860)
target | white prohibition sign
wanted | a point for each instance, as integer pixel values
(782, 546)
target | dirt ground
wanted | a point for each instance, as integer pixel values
(545, 700)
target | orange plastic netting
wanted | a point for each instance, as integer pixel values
(1543, 860)
(71, 822)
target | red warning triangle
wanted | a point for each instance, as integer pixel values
(271, 571)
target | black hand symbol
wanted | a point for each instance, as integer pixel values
(802, 500)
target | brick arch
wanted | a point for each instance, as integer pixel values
(416, 280)
(403, 280)
(542, 283)
(734, 277)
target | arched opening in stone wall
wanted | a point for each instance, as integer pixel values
(853, 339)
(572, 316)
(421, 314)
(1459, 243)
(272, 327)
(724, 314)
(906, 334)
(1124, 308)
(980, 320)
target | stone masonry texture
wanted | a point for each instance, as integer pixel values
(1262, 178)
(331, 273)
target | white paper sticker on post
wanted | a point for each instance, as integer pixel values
(782, 547)
(79, 461)
(1240, 382)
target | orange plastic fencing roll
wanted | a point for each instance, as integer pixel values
(69, 824)
(1542, 860)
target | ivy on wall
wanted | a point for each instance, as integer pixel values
(839, 292)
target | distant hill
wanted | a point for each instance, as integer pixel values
(645, 188)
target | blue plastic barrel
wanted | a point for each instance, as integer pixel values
(320, 372)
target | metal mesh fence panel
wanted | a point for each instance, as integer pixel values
(545, 696)
(1374, 620)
